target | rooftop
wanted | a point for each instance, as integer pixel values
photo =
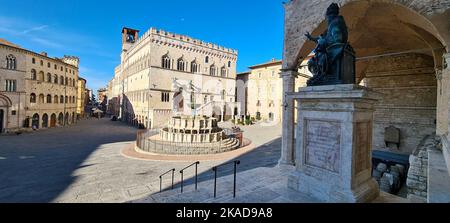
(184, 38)
(6, 42)
(243, 73)
(273, 62)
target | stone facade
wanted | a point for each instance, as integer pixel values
(264, 101)
(37, 91)
(418, 170)
(157, 65)
(82, 100)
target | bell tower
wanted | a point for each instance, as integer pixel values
(129, 37)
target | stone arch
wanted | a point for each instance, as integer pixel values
(5, 101)
(60, 119)
(426, 22)
(41, 76)
(35, 121)
(53, 120)
(45, 121)
(398, 44)
(217, 112)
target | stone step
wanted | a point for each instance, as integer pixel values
(247, 183)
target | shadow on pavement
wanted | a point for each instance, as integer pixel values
(39, 166)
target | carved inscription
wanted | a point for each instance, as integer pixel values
(322, 148)
(362, 133)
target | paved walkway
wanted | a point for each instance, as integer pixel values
(259, 185)
(83, 163)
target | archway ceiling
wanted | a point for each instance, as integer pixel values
(376, 29)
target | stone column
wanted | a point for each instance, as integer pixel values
(287, 146)
(443, 107)
(446, 85)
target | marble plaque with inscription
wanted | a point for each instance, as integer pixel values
(322, 144)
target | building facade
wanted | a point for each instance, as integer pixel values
(102, 94)
(163, 74)
(264, 100)
(81, 98)
(36, 91)
(102, 98)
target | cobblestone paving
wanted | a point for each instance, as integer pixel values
(83, 163)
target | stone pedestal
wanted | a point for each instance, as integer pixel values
(334, 143)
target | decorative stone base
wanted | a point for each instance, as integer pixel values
(334, 193)
(334, 143)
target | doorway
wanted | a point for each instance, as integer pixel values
(1, 120)
(35, 121)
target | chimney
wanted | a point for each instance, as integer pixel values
(44, 54)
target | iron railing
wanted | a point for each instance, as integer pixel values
(196, 176)
(236, 162)
(160, 178)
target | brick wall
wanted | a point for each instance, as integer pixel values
(409, 92)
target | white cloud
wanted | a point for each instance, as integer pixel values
(37, 28)
(46, 42)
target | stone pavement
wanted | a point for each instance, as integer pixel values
(83, 163)
(259, 185)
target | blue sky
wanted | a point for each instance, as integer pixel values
(91, 29)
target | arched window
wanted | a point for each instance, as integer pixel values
(180, 64)
(61, 99)
(73, 99)
(61, 80)
(41, 76)
(223, 94)
(32, 98)
(206, 59)
(67, 80)
(49, 99)
(55, 79)
(41, 99)
(223, 71)
(194, 67)
(212, 70)
(11, 62)
(55, 99)
(33, 74)
(67, 100)
(49, 78)
(165, 62)
(229, 63)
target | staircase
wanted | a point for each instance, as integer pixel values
(259, 185)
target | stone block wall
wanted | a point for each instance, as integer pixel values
(418, 170)
(409, 90)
